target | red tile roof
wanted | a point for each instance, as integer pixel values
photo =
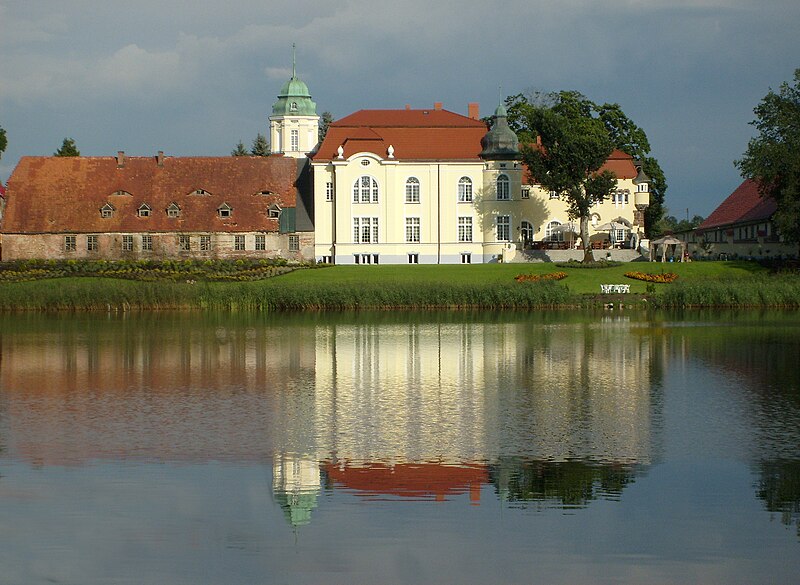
(65, 194)
(744, 205)
(414, 135)
(619, 162)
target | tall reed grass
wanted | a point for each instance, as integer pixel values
(757, 291)
(88, 294)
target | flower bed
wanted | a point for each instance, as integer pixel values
(663, 277)
(540, 277)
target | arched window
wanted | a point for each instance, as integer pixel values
(465, 190)
(412, 190)
(365, 190)
(503, 187)
(551, 235)
(526, 233)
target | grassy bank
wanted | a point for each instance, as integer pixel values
(699, 284)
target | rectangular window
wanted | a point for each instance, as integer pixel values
(365, 230)
(503, 228)
(261, 242)
(466, 258)
(294, 243)
(238, 242)
(413, 258)
(295, 138)
(69, 243)
(184, 243)
(464, 229)
(526, 192)
(329, 191)
(553, 195)
(147, 243)
(91, 243)
(205, 243)
(127, 243)
(412, 229)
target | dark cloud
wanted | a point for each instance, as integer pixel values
(151, 75)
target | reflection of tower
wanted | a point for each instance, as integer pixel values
(295, 486)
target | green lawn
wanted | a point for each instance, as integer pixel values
(579, 280)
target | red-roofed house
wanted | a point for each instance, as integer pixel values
(742, 227)
(431, 186)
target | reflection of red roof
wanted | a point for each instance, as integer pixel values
(414, 134)
(65, 194)
(744, 205)
(411, 480)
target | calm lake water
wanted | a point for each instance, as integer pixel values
(396, 448)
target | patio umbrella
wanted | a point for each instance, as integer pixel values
(567, 228)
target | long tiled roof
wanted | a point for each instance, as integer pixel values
(744, 205)
(66, 194)
(619, 162)
(413, 134)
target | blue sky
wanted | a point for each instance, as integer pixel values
(195, 78)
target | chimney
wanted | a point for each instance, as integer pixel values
(474, 110)
(437, 106)
(408, 107)
(160, 158)
(120, 159)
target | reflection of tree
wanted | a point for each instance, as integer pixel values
(779, 487)
(566, 484)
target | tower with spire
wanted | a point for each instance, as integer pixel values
(294, 123)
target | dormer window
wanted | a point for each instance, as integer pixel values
(121, 192)
(173, 210)
(144, 210)
(265, 193)
(224, 210)
(200, 192)
(107, 210)
(274, 211)
(293, 107)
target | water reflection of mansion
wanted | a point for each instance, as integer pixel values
(422, 410)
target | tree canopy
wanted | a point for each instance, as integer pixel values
(3, 141)
(624, 134)
(240, 150)
(772, 158)
(325, 121)
(68, 148)
(260, 146)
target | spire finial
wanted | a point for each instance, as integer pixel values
(499, 94)
(293, 62)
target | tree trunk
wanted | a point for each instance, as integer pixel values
(588, 257)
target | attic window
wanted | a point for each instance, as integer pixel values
(266, 193)
(121, 192)
(365, 162)
(224, 210)
(173, 210)
(144, 210)
(200, 192)
(107, 210)
(293, 106)
(274, 211)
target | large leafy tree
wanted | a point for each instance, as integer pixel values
(574, 145)
(68, 148)
(624, 133)
(772, 158)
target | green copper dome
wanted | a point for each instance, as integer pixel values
(294, 98)
(500, 143)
